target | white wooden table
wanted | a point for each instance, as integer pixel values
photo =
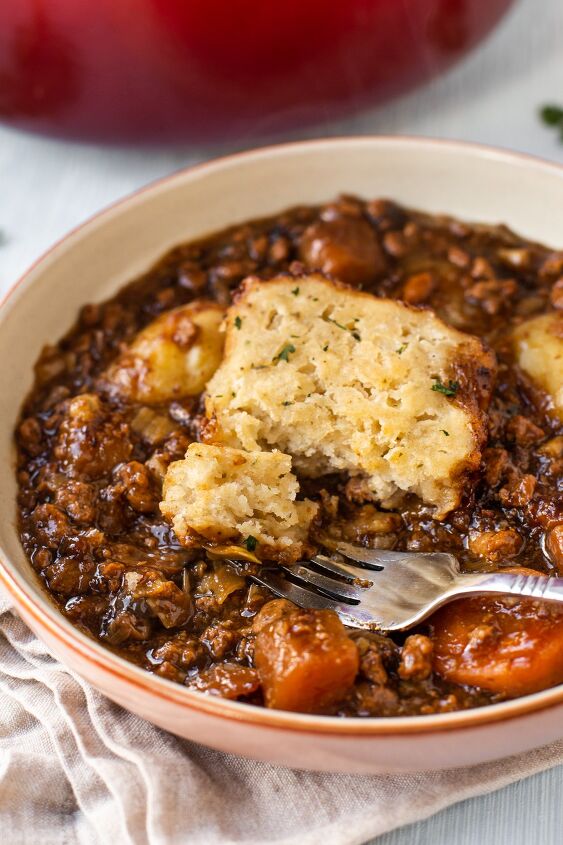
(46, 187)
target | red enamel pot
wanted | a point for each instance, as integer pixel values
(215, 70)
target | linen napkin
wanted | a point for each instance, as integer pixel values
(76, 769)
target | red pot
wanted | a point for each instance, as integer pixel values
(173, 70)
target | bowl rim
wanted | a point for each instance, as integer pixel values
(35, 601)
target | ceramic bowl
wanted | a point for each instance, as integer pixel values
(93, 261)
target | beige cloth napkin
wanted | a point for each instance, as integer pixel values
(76, 769)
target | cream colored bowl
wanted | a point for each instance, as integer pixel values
(96, 259)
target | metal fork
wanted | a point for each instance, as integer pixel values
(392, 591)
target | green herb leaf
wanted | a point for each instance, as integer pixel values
(238, 322)
(284, 353)
(449, 389)
(353, 332)
(250, 543)
(401, 348)
(336, 323)
(552, 115)
(325, 347)
(447, 433)
(295, 291)
(286, 404)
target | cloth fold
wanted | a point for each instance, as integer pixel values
(76, 769)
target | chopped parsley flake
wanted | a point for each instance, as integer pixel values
(285, 404)
(449, 389)
(238, 322)
(295, 291)
(325, 347)
(446, 433)
(353, 332)
(401, 348)
(250, 543)
(284, 353)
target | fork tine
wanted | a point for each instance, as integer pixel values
(349, 614)
(389, 560)
(278, 584)
(368, 557)
(335, 589)
(343, 569)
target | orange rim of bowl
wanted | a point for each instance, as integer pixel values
(34, 601)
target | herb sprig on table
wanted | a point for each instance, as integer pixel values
(553, 116)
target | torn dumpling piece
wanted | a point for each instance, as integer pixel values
(171, 358)
(538, 346)
(224, 495)
(347, 382)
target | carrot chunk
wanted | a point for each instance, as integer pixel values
(508, 646)
(305, 659)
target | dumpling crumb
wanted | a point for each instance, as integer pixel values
(223, 495)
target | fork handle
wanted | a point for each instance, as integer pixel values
(508, 583)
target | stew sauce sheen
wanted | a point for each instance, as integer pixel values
(90, 485)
